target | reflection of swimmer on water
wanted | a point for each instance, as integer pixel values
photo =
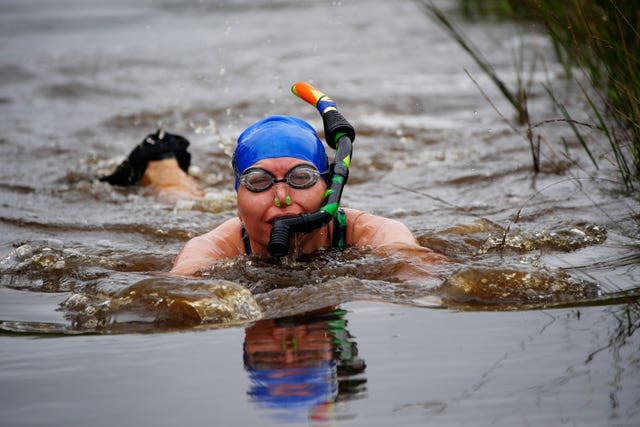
(300, 365)
(281, 171)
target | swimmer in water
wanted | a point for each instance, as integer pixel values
(281, 170)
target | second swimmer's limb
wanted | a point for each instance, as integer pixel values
(169, 183)
(155, 146)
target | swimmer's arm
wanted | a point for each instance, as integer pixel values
(386, 236)
(169, 183)
(223, 242)
(368, 230)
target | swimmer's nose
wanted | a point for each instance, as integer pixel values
(281, 189)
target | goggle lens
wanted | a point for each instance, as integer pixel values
(299, 177)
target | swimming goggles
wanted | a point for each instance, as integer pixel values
(300, 177)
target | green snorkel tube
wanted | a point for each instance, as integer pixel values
(339, 135)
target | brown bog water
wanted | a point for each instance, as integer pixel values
(532, 322)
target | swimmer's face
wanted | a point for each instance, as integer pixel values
(257, 211)
(272, 346)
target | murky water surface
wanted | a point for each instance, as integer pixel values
(532, 321)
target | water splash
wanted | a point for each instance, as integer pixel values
(113, 290)
(163, 301)
(52, 266)
(508, 288)
(110, 291)
(483, 237)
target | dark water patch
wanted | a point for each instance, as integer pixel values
(181, 119)
(11, 74)
(8, 7)
(410, 104)
(371, 164)
(557, 166)
(402, 132)
(488, 179)
(539, 209)
(53, 148)
(91, 66)
(87, 135)
(370, 169)
(17, 188)
(164, 233)
(81, 90)
(147, 119)
(53, 22)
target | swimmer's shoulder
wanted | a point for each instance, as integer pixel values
(224, 241)
(367, 229)
(227, 237)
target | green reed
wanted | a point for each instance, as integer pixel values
(517, 98)
(599, 37)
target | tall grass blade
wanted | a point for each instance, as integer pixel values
(602, 38)
(571, 123)
(621, 161)
(468, 46)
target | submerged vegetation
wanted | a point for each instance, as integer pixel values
(599, 38)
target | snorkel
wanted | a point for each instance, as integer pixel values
(339, 135)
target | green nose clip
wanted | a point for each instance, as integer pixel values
(277, 203)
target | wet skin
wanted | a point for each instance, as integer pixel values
(257, 211)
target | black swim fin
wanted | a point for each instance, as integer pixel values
(156, 146)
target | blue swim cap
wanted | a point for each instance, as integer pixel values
(292, 393)
(278, 136)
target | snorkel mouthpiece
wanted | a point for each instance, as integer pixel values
(284, 228)
(280, 238)
(339, 135)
